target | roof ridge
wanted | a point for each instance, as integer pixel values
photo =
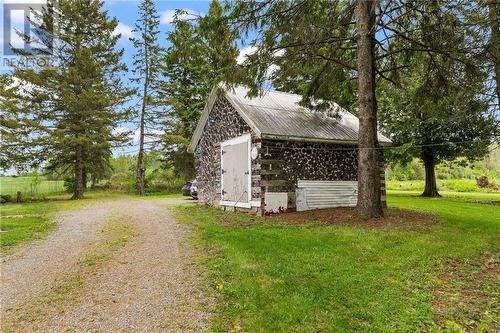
(284, 93)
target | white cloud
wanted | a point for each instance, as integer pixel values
(249, 50)
(279, 53)
(244, 52)
(167, 17)
(124, 30)
(24, 88)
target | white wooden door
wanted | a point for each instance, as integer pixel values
(235, 163)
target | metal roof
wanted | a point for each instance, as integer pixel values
(278, 115)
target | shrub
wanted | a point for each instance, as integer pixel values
(69, 184)
(5, 198)
(482, 181)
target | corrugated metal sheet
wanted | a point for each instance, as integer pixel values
(279, 114)
(314, 194)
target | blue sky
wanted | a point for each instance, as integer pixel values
(124, 10)
(126, 13)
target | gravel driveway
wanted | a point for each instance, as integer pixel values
(151, 284)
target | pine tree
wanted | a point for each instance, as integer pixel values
(13, 126)
(335, 40)
(75, 98)
(146, 68)
(369, 204)
(494, 45)
(439, 109)
(319, 46)
(201, 55)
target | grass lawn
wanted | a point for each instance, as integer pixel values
(27, 221)
(328, 278)
(10, 185)
(478, 197)
(457, 185)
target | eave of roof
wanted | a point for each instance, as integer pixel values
(278, 116)
(206, 112)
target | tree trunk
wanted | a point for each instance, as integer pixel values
(369, 204)
(78, 186)
(84, 178)
(140, 160)
(494, 17)
(140, 157)
(430, 189)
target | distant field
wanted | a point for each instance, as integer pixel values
(10, 185)
(454, 185)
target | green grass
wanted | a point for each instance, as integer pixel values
(327, 278)
(10, 185)
(478, 197)
(454, 185)
(27, 221)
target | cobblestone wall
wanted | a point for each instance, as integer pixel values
(223, 123)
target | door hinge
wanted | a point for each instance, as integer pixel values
(223, 192)
(223, 171)
(247, 172)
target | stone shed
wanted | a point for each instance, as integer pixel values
(269, 154)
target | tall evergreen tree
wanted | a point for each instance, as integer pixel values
(201, 55)
(368, 156)
(75, 97)
(439, 109)
(494, 45)
(336, 40)
(146, 70)
(13, 126)
(321, 45)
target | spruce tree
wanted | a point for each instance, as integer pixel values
(319, 46)
(201, 55)
(439, 109)
(494, 45)
(13, 126)
(369, 204)
(146, 70)
(74, 98)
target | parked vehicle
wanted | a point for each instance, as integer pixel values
(186, 188)
(194, 190)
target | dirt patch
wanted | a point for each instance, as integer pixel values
(393, 217)
(467, 294)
